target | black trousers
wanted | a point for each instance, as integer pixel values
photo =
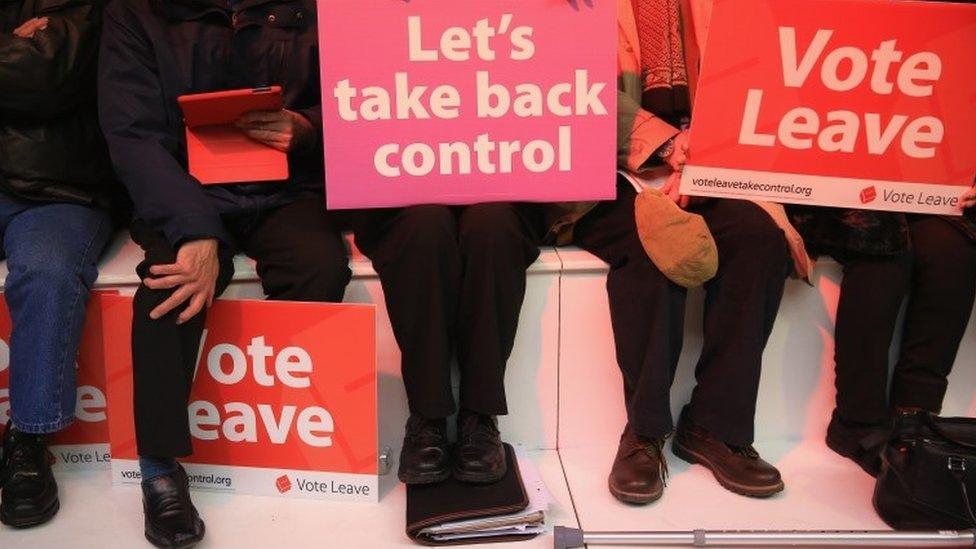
(454, 281)
(647, 311)
(939, 277)
(300, 257)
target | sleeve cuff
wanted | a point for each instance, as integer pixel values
(650, 132)
(314, 116)
(179, 230)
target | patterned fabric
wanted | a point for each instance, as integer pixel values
(842, 232)
(662, 52)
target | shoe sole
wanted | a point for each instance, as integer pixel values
(424, 478)
(187, 545)
(635, 498)
(31, 521)
(743, 490)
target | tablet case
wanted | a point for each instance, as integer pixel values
(220, 153)
(452, 500)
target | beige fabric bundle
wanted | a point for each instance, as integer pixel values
(678, 242)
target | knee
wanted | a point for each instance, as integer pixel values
(753, 234)
(939, 246)
(488, 227)
(633, 271)
(426, 229)
(756, 225)
(312, 278)
(47, 273)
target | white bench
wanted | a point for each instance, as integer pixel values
(562, 377)
(531, 385)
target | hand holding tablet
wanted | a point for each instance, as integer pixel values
(221, 151)
(284, 130)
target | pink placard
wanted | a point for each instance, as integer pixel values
(466, 101)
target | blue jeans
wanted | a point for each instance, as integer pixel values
(52, 256)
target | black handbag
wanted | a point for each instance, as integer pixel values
(928, 474)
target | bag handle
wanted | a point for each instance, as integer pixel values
(957, 468)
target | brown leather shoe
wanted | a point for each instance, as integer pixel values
(738, 469)
(639, 471)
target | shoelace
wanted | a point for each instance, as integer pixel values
(474, 425)
(745, 451)
(655, 449)
(28, 455)
(424, 429)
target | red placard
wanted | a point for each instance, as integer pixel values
(83, 444)
(283, 401)
(848, 103)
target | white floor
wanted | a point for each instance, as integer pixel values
(823, 491)
(99, 516)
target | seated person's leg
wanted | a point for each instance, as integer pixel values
(942, 295)
(300, 253)
(415, 251)
(871, 295)
(498, 242)
(52, 257)
(647, 312)
(716, 428)
(164, 354)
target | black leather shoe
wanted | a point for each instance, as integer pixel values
(172, 522)
(479, 454)
(30, 493)
(737, 469)
(639, 471)
(425, 457)
(858, 442)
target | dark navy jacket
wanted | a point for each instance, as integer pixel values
(156, 50)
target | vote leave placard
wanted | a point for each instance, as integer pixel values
(852, 103)
(464, 101)
(283, 399)
(84, 444)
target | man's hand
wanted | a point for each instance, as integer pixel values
(968, 200)
(194, 275)
(672, 189)
(30, 27)
(284, 130)
(679, 156)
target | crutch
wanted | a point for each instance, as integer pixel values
(568, 538)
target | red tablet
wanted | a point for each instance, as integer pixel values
(218, 151)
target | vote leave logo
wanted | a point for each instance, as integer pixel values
(278, 385)
(283, 484)
(868, 195)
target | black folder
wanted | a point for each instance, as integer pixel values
(433, 505)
